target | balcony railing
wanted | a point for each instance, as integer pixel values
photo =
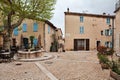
(117, 5)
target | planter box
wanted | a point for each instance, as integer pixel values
(114, 75)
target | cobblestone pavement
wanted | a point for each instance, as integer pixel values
(80, 65)
(25, 71)
(76, 66)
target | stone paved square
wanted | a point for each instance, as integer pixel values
(80, 65)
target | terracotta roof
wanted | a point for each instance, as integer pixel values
(92, 15)
(49, 23)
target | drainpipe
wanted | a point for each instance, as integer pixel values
(113, 33)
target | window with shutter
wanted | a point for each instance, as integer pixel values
(81, 30)
(81, 18)
(15, 32)
(48, 29)
(110, 44)
(101, 32)
(108, 21)
(35, 27)
(24, 27)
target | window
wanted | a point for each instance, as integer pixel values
(15, 32)
(108, 32)
(35, 27)
(81, 18)
(108, 44)
(81, 30)
(101, 32)
(48, 29)
(24, 27)
(108, 21)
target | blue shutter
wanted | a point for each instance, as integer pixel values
(35, 41)
(48, 29)
(110, 32)
(15, 32)
(110, 44)
(106, 32)
(81, 18)
(106, 44)
(35, 27)
(82, 29)
(24, 27)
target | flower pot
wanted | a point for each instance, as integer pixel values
(114, 75)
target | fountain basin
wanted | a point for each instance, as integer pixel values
(29, 54)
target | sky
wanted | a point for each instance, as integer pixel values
(80, 6)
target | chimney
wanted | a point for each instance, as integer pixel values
(104, 13)
(67, 9)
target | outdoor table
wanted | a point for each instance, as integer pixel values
(5, 55)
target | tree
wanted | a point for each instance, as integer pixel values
(13, 12)
(31, 40)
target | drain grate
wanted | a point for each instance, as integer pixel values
(48, 62)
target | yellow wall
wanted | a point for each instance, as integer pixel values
(117, 32)
(46, 38)
(93, 26)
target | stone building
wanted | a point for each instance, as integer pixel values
(85, 31)
(117, 28)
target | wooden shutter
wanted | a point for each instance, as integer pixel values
(75, 44)
(87, 44)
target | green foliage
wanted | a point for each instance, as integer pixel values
(13, 12)
(32, 9)
(103, 58)
(31, 40)
(116, 67)
(54, 46)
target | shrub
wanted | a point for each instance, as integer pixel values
(110, 52)
(103, 58)
(115, 67)
(102, 49)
